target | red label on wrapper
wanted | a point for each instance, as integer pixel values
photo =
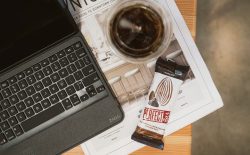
(155, 115)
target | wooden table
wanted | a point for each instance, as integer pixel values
(179, 143)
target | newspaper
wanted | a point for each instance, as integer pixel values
(197, 98)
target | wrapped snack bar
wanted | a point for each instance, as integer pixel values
(163, 92)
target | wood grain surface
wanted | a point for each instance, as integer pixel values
(179, 143)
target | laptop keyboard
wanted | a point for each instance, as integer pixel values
(46, 90)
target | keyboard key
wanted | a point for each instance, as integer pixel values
(55, 77)
(3, 140)
(22, 95)
(18, 130)
(13, 99)
(56, 66)
(38, 108)
(70, 90)
(21, 117)
(47, 82)
(9, 135)
(67, 104)
(4, 125)
(47, 71)
(78, 86)
(46, 103)
(54, 99)
(39, 75)
(64, 62)
(20, 106)
(29, 112)
(84, 97)
(90, 88)
(29, 102)
(62, 94)
(42, 117)
(77, 45)
(53, 58)
(92, 93)
(45, 63)
(61, 54)
(20, 76)
(88, 70)
(90, 79)
(31, 79)
(72, 57)
(53, 89)
(78, 75)
(4, 115)
(12, 80)
(37, 97)
(12, 121)
(6, 93)
(28, 71)
(63, 73)
(71, 68)
(70, 80)
(100, 89)
(86, 60)
(12, 111)
(39, 86)
(5, 104)
(45, 93)
(37, 67)
(23, 84)
(69, 49)
(4, 84)
(14, 88)
(62, 84)
(79, 64)
(30, 90)
(81, 53)
(75, 100)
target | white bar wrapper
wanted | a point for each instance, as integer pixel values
(158, 109)
(162, 96)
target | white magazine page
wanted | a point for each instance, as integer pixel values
(197, 97)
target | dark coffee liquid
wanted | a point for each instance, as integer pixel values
(137, 31)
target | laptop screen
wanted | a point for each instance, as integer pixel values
(27, 26)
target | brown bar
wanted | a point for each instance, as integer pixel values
(163, 91)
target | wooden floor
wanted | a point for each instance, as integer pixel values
(178, 143)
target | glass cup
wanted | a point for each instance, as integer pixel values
(138, 31)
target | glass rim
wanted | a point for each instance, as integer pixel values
(168, 29)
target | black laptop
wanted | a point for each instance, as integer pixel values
(53, 95)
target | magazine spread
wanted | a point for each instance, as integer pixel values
(197, 97)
